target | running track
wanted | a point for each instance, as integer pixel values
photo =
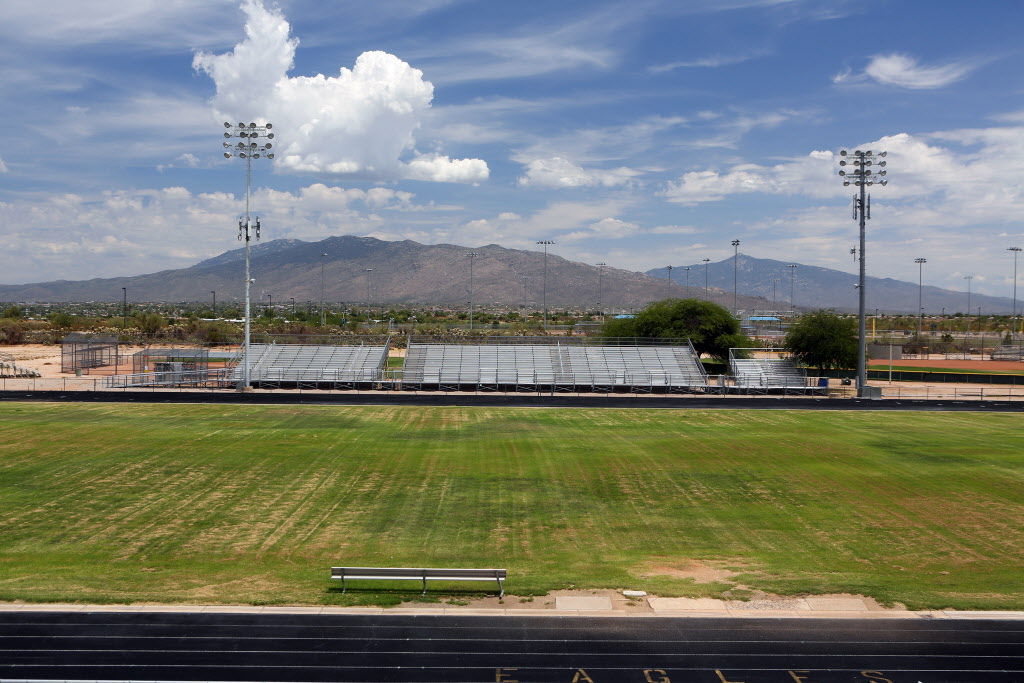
(108, 646)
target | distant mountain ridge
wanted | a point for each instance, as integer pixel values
(817, 287)
(362, 269)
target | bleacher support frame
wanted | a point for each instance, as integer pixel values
(768, 371)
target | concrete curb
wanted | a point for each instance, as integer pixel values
(726, 612)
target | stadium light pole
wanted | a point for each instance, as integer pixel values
(600, 289)
(1013, 314)
(545, 244)
(323, 289)
(214, 293)
(706, 261)
(292, 298)
(670, 275)
(251, 146)
(686, 270)
(920, 261)
(369, 303)
(968, 278)
(270, 303)
(472, 256)
(792, 285)
(862, 177)
(735, 273)
(124, 308)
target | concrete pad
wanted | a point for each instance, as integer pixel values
(982, 614)
(280, 609)
(819, 603)
(583, 602)
(686, 604)
(770, 604)
(52, 607)
(232, 609)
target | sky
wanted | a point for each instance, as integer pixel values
(639, 134)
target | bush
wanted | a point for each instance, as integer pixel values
(11, 331)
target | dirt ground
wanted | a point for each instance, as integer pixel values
(941, 362)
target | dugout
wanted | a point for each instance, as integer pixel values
(80, 351)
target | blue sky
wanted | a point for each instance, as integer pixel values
(640, 134)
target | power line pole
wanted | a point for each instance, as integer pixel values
(861, 177)
(248, 149)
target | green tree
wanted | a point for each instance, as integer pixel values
(711, 328)
(13, 312)
(824, 340)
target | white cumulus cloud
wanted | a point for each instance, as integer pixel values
(560, 172)
(360, 121)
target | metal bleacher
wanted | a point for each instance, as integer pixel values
(551, 367)
(314, 366)
(766, 373)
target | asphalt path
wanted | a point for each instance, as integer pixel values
(113, 646)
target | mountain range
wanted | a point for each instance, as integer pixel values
(367, 270)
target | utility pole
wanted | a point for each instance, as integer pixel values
(247, 230)
(861, 177)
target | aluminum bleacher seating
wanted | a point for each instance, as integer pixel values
(311, 365)
(767, 373)
(555, 367)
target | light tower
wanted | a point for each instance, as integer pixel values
(861, 177)
(545, 244)
(323, 290)
(920, 261)
(254, 143)
(670, 275)
(686, 270)
(472, 255)
(1013, 315)
(735, 273)
(792, 285)
(600, 282)
(706, 261)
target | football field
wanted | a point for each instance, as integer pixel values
(253, 504)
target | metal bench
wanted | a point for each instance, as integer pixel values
(421, 574)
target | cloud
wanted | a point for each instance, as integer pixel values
(606, 228)
(904, 71)
(3, 167)
(711, 62)
(358, 122)
(558, 172)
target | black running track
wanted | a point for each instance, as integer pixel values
(136, 646)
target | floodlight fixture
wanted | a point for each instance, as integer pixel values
(920, 261)
(248, 229)
(1016, 251)
(862, 177)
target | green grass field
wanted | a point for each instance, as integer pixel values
(209, 503)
